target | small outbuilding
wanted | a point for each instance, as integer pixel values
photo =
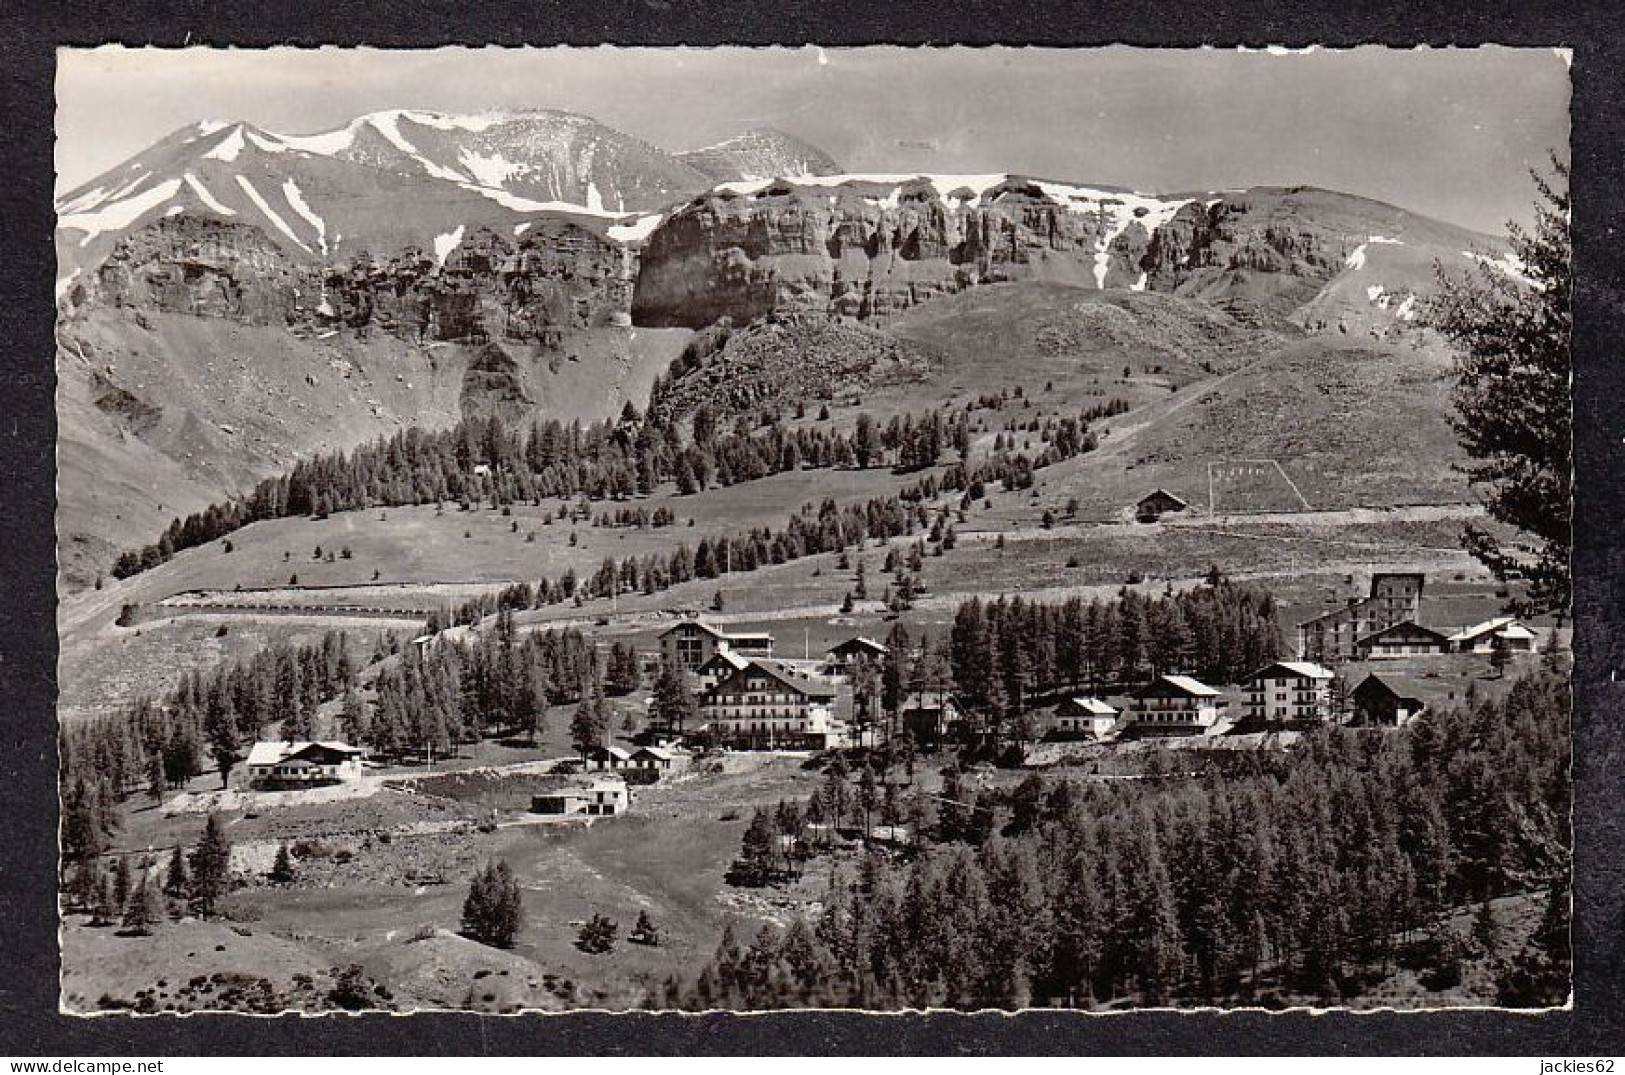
(602, 796)
(1156, 504)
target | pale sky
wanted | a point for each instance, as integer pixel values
(1448, 133)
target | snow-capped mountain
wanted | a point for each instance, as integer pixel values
(761, 153)
(404, 177)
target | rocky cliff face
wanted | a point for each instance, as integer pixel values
(559, 277)
(869, 247)
(865, 248)
(203, 266)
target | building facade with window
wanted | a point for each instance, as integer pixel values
(770, 703)
(1175, 705)
(1290, 692)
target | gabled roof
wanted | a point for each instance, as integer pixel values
(861, 643)
(654, 752)
(700, 624)
(727, 657)
(1090, 704)
(1410, 626)
(1418, 576)
(1180, 685)
(1295, 669)
(1412, 688)
(620, 753)
(800, 682)
(1347, 611)
(1153, 494)
(1495, 624)
(273, 751)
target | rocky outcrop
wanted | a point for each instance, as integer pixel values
(203, 266)
(783, 362)
(558, 278)
(867, 250)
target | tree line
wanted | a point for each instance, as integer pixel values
(484, 459)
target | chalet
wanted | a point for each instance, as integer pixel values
(301, 763)
(842, 659)
(1334, 636)
(1290, 692)
(1405, 639)
(929, 716)
(607, 759)
(771, 703)
(1175, 705)
(1386, 700)
(1481, 637)
(723, 663)
(693, 642)
(1083, 716)
(604, 796)
(656, 760)
(1157, 503)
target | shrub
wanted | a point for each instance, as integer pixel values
(597, 935)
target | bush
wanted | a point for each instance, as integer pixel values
(597, 935)
(352, 989)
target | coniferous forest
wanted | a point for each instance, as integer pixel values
(1273, 879)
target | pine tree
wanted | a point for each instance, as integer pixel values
(210, 865)
(142, 910)
(177, 885)
(590, 723)
(282, 871)
(674, 705)
(758, 861)
(493, 910)
(1512, 397)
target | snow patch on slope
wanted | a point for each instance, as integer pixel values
(445, 244)
(119, 214)
(490, 171)
(270, 214)
(296, 201)
(207, 198)
(637, 231)
(229, 147)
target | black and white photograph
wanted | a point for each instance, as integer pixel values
(865, 528)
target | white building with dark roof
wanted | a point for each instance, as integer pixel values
(1175, 705)
(771, 703)
(1515, 635)
(302, 762)
(1084, 716)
